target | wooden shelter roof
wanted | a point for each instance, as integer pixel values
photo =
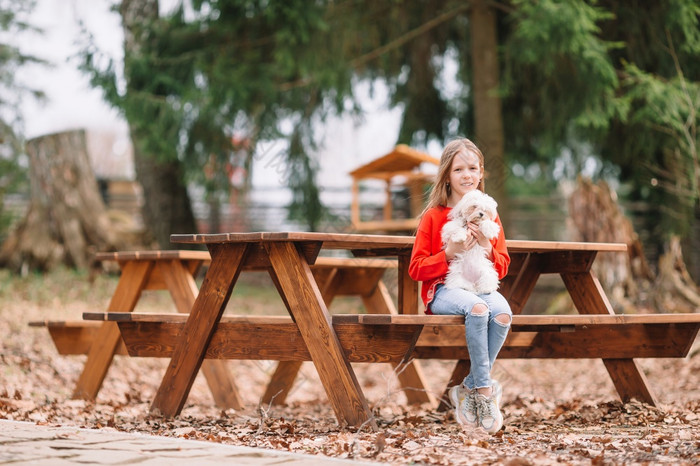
(402, 159)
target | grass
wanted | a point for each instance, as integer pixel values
(65, 292)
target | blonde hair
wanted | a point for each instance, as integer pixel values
(441, 191)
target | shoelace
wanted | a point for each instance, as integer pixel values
(470, 404)
(484, 408)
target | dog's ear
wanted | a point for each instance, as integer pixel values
(490, 205)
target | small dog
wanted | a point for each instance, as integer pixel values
(471, 269)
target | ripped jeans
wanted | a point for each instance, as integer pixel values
(485, 335)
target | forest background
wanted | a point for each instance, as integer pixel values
(548, 89)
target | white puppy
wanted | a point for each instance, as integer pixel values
(472, 269)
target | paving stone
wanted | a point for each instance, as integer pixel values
(26, 443)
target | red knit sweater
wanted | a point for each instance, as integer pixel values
(428, 261)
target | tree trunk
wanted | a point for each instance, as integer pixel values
(67, 220)
(628, 279)
(488, 117)
(167, 208)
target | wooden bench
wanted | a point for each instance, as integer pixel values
(174, 271)
(401, 338)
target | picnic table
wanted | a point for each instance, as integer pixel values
(332, 342)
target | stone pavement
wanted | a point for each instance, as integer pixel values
(27, 443)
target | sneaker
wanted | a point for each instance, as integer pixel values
(465, 407)
(496, 391)
(489, 414)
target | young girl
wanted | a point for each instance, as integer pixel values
(487, 317)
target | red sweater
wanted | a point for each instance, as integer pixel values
(428, 261)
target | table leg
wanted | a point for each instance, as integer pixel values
(281, 383)
(183, 289)
(282, 379)
(523, 285)
(408, 288)
(457, 377)
(589, 298)
(410, 375)
(133, 278)
(226, 265)
(314, 321)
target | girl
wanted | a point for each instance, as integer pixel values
(487, 317)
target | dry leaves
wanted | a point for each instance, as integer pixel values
(555, 411)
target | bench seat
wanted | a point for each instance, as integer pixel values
(355, 277)
(73, 337)
(399, 338)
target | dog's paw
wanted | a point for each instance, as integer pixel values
(490, 229)
(459, 236)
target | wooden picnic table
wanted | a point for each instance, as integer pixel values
(333, 342)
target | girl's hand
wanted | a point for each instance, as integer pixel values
(478, 235)
(453, 248)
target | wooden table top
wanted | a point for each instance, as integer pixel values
(151, 255)
(361, 241)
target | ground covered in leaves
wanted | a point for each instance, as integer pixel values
(555, 411)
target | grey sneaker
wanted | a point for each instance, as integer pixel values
(464, 403)
(496, 391)
(489, 414)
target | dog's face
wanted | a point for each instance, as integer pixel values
(475, 207)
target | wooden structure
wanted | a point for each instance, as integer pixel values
(333, 342)
(174, 271)
(399, 167)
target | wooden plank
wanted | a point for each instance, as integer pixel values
(629, 380)
(353, 262)
(408, 288)
(522, 322)
(183, 290)
(389, 242)
(72, 338)
(279, 340)
(183, 254)
(191, 345)
(587, 342)
(312, 317)
(274, 342)
(127, 293)
(283, 378)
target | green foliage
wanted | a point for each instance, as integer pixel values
(13, 172)
(559, 81)
(609, 80)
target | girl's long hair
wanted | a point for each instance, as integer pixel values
(441, 191)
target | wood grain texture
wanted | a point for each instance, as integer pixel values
(183, 290)
(314, 322)
(127, 293)
(192, 344)
(275, 342)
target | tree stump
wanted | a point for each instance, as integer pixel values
(628, 280)
(66, 220)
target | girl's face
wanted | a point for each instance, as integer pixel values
(465, 175)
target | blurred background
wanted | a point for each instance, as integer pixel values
(125, 122)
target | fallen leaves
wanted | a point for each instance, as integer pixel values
(555, 411)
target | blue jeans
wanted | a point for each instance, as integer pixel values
(485, 335)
